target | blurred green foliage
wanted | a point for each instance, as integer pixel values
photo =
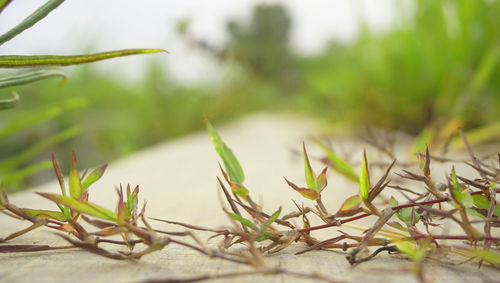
(438, 62)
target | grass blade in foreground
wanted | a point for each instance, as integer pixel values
(82, 206)
(26, 61)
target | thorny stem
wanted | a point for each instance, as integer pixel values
(395, 208)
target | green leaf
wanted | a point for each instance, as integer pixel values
(46, 214)
(404, 214)
(364, 178)
(483, 203)
(397, 225)
(462, 195)
(7, 103)
(21, 174)
(23, 61)
(30, 119)
(321, 180)
(82, 206)
(242, 220)
(268, 223)
(338, 164)
(232, 165)
(305, 192)
(75, 186)
(488, 256)
(132, 198)
(32, 19)
(25, 78)
(471, 211)
(351, 203)
(309, 173)
(239, 189)
(414, 252)
(93, 177)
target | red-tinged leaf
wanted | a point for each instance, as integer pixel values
(110, 231)
(82, 206)
(75, 186)
(93, 177)
(59, 175)
(350, 203)
(46, 214)
(239, 189)
(364, 178)
(65, 228)
(305, 192)
(321, 180)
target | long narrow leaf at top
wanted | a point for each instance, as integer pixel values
(28, 22)
(25, 78)
(232, 165)
(26, 61)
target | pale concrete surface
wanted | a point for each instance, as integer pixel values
(177, 179)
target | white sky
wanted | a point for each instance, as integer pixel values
(96, 25)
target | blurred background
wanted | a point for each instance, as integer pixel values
(402, 65)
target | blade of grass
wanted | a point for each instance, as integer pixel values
(26, 61)
(8, 103)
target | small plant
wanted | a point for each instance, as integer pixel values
(258, 233)
(16, 168)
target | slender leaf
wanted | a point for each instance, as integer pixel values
(268, 223)
(47, 214)
(24, 61)
(32, 19)
(82, 206)
(21, 174)
(239, 189)
(242, 220)
(93, 177)
(25, 78)
(364, 178)
(27, 120)
(338, 164)
(311, 180)
(488, 256)
(462, 195)
(232, 165)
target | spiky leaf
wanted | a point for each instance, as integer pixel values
(47, 214)
(93, 177)
(364, 178)
(232, 165)
(82, 206)
(75, 186)
(305, 192)
(338, 164)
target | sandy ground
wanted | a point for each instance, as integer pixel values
(178, 181)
